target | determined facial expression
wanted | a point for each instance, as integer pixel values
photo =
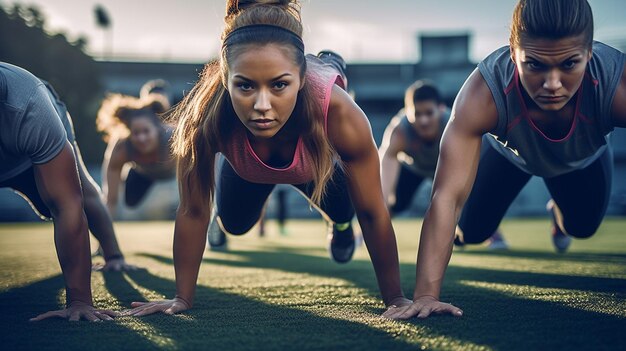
(551, 71)
(263, 83)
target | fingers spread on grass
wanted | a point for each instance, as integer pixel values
(446, 308)
(75, 316)
(91, 317)
(103, 316)
(425, 312)
(149, 310)
(49, 314)
(109, 313)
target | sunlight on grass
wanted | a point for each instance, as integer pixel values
(148, 332)
(283, 292)
(597, 302)
(578, 265)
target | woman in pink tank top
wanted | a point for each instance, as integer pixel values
(263, 105)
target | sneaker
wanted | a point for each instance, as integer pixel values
(334, 59)
(560, 240)
(497, 242)
(215, 236)
(341, 244)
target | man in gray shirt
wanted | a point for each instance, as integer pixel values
(40, 160)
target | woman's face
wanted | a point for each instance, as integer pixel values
(144, 135)
(263, 83)
(550, 70)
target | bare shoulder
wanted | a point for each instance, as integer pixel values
(117, 152)
(349, 130)
(618, 108)
(474, 108)
(394, 138)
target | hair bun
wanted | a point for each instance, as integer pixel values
(234, 6)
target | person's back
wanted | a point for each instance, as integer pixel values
(29, 134)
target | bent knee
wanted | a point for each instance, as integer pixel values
(235, 227)
(582, 231)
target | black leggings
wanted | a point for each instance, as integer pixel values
(24, 184)
(407, 184)
(240, 202)
(581, 195)
(136, 187)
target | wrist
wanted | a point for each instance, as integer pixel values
(117, 256)
(395, 300)
(419, 296)
(186, 302)
(78, 303)
(392, 298)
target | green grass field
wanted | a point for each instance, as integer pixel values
(282, 292)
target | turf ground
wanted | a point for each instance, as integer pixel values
(282, 292)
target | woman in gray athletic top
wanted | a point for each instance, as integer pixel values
(136, 136)
(546, 105)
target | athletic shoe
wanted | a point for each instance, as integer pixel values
(560, 240)
(334, 59)
(497, 242)
(215, 236)
(341, 244)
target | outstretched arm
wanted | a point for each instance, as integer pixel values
(473, 114)
(619, 103)
(192, 221)
(59, 187)
(114, 159)
(393, 143)
(350, 133)
(99, 220)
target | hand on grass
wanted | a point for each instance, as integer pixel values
(114, 265)
(422, 307)
(166, 306)
(77, 311)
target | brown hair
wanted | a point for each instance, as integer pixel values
(206, 116)
(421, 90)
(118, 111)
(551, 19)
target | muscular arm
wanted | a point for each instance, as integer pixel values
(473, 114)
(393, 143)
(189, 243)
(192, 220)
(350, 133)
(619, 103)
(59, 187)
(114, 159)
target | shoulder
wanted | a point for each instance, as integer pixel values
(117, 152)
(618, 108)
(474, 108)
(21, 85)
(349, 130)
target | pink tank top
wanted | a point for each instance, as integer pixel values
(249, 166)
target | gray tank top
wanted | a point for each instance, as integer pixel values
(519, 140)
(420, 156)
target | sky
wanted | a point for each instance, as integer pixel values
(361, 30)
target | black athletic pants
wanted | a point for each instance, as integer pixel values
(581, 195)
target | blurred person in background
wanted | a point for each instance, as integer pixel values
(136, 136)
(410, 148)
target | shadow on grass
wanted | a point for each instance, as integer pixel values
(550, 256)
(225, 321)
(18, 305)
(517, 319)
